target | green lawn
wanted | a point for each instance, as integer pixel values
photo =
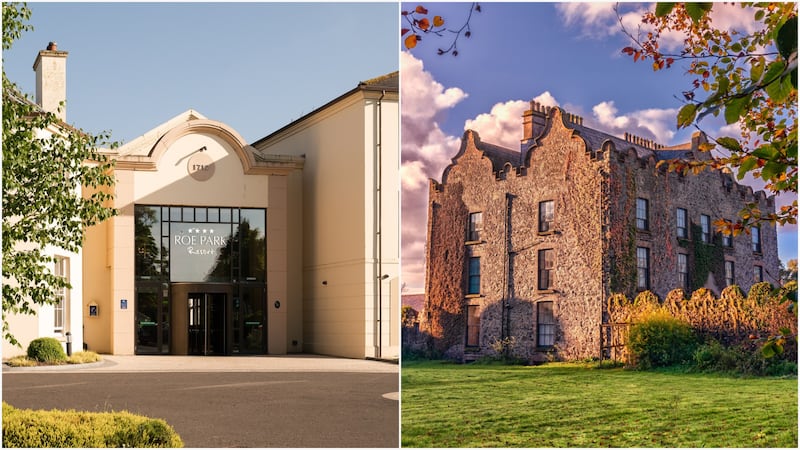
(576, 405)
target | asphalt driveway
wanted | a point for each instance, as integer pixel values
(231, 409)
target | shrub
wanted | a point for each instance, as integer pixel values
(740, 360)
(660, 340)
(30, 428)
(46, 350)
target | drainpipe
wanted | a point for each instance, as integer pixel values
(378, 232)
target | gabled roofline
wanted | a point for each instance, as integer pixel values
(378, 84)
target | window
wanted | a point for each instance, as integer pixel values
(758, 274)
(683, 271)
(546, 214)
(473, 325)
(474, 280)
(475, 226)
(59, 307)
(755, 233)
(729, 274)
(683, 228)
(727, 240)
(641, 214)
(705, 228)
(546, 269)
(643, 268)
(545, 324)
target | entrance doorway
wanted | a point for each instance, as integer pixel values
(207, 313)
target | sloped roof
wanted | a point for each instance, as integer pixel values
(143, 145)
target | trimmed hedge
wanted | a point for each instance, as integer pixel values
(36, 428)
(661, 340)
(46, 350)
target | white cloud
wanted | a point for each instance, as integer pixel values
(546, 99)
(426, 151)
(653, 123)
(502, 125)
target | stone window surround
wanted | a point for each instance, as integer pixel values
(682, 231)
(549, 230)
(543, 327)
(705, 228)
(730, 277)
(550, 270)
(642, 214)
(646, 268)
(474, 228)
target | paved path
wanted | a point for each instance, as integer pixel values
(263, 401)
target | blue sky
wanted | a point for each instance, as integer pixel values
(560, 54)
(253, 66)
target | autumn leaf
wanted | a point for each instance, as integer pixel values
(411, 41)
(424, 24)
(438, 21)
(421, 9)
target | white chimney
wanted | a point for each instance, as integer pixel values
(51, 79)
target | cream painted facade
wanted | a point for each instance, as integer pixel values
(351, 220)
(287, 245)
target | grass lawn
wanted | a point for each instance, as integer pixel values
(576, 405)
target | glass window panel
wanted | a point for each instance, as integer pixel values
(474, 281)
(188, 214)
(147, 235)
(643, 268)
(200, 215)
(235, 215)
(251, 314)
(641, 214)
(253, 244)
(213, 214)
(200, 252)
(175, 214)
(546, 214)
(225, 215)
(682, 225)
(545, 324)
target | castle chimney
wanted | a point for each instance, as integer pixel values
(533, 123)
(51, 79)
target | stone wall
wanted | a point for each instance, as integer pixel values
(593, 180)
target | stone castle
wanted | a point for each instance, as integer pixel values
(527, 246)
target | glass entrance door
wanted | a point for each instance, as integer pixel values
(207, 323)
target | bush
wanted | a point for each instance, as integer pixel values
(84, 358)
(46, 350)
(739, 360)
(29, 428)
(660, 340)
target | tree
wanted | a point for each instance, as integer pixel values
(748, 78)
(45, 162)
(420, 24)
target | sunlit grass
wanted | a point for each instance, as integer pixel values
(574, 405)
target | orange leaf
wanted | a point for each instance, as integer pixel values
(421, 9)
(424, 24)
(438, 21)
(411, 41)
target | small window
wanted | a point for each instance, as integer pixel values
(475, 226)
(643, 268)
(641, 214)
(546, 214)
(682, 226)
(545, 324)
(755, 233)
(683, 271)
(727, 239)
(546, 269)
(473, 325)
(705, 228)
(729, 274)
(59, 307)
(474, 280)
(758, 274)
